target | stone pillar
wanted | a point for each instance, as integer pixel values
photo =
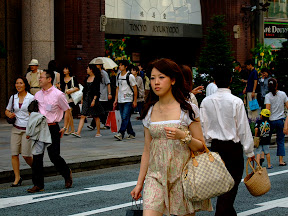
(37, 32)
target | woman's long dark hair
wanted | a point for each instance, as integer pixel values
(96, 72)
(188, 76)
(272, 86)
(62, 75)
(179, 89)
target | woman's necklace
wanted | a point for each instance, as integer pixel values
(169, 103)
(67, 79)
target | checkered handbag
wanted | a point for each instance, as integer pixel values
(205, 176)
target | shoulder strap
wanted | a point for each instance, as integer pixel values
(128, 81)
(117, 78)
(72, 82)
(13, 104)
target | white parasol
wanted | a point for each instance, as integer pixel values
(107, 62)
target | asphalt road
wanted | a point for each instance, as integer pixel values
(106, 192)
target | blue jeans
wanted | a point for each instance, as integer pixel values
(280, 136)
(125, 111)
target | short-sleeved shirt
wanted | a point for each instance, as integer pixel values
(22, 114)
(125, 93)
(251, 78)
(185, 119)
(33, 78)
(103, 86)
(265, 137)
(52, 104)
(277, 103)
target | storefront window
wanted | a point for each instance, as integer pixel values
(277, 9)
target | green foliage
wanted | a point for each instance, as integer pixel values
(281, 64)
(218, 47)
(217, 50)
(237, 86)
(115, 49)
(262, 53)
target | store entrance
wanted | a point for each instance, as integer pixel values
(182, 50)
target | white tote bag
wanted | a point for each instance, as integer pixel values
(77, 96)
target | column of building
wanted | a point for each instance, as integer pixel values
(37, 32)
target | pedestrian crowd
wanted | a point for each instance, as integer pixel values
(174, 124)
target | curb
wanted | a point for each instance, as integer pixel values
(8, 176)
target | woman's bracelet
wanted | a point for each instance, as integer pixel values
(187, 139)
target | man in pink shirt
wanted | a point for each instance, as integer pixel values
(52, 104)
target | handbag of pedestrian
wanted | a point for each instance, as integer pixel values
(135, 210)
(11, 120)
(253, 105)
(205, 176)
(257, 182)
(257, 139)
(77, 95)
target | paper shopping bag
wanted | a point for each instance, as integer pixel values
(114, 120)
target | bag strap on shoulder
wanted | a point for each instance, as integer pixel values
(12, 104)
(72, 82)
(127, 80)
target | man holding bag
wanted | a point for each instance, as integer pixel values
(226, 126)
(250, 88)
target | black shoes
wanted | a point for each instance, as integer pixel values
(18, 184)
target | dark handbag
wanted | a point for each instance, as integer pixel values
(11, 120)
(134, 211)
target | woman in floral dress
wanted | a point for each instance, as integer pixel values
(166, 151)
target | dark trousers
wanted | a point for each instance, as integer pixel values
(55, 158)
(232, 155)
(103, 118)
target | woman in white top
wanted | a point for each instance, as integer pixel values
(166, 149)
(19, 143)
(275, 101)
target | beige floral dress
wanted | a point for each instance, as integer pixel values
(163, 191)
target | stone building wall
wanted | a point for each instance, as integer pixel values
(10, 37)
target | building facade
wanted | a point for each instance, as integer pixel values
(74, 32)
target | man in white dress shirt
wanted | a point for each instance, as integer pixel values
(225, 125)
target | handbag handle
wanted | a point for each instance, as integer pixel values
(211, 158)
(137, 206)
(252, 167)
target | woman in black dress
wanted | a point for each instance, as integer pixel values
(69, 85)
(90, 100)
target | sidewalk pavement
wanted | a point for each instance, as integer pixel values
(81, 154)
